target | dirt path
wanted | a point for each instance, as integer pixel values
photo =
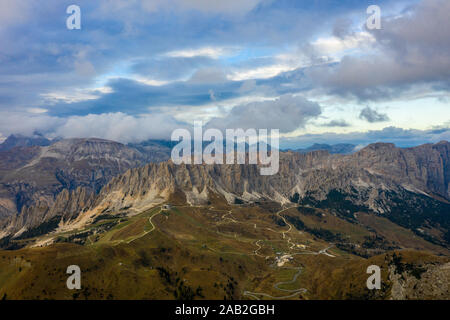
(228, 217)
(153, 226)
(293, 292)
(143, 234)
(291, 245)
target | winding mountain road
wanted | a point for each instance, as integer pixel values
(293, 292)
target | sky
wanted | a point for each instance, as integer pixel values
(138, 70)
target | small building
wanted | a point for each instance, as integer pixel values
(167, 206)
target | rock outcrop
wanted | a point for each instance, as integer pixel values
(36, 175)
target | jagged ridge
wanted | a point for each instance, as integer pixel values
(363, 177)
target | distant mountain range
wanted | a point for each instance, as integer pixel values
(409, 186)
(340, 148)
(161, 147)
(14, 141)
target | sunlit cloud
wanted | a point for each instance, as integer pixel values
(210, 52)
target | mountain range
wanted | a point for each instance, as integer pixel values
(14, 141)
(411, 186)
(34, 170)
(340, 148)
(127, 210)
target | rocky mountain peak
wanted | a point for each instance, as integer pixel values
(17, 140)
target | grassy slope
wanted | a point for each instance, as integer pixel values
(193, 253)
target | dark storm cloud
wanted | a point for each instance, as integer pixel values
(136, 97)
(286, 114)
(372, 115)
(336, 123)
(413, 49)
(36, 43)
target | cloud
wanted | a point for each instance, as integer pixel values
(206, 6)
(336, 123)
(342, 27)
(228, 7)
(138, 57)
(261, 72)
(168, 68)
(401, 137)
(139, 97)
(127, 128)
(208, 75)
(286, 113)
(45, 66)
(410, 49)
(119, 127)
(372, 115)
(113, 126)
(27, 123)
(333, 45)
(37, 110)
(163, 40)
(209, 52)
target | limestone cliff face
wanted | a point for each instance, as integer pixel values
(67, 206)
(367, 173)
(35, 176)
(196, 181)
(426, 167)
(368, 178)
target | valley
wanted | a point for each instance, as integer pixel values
(218, 251)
